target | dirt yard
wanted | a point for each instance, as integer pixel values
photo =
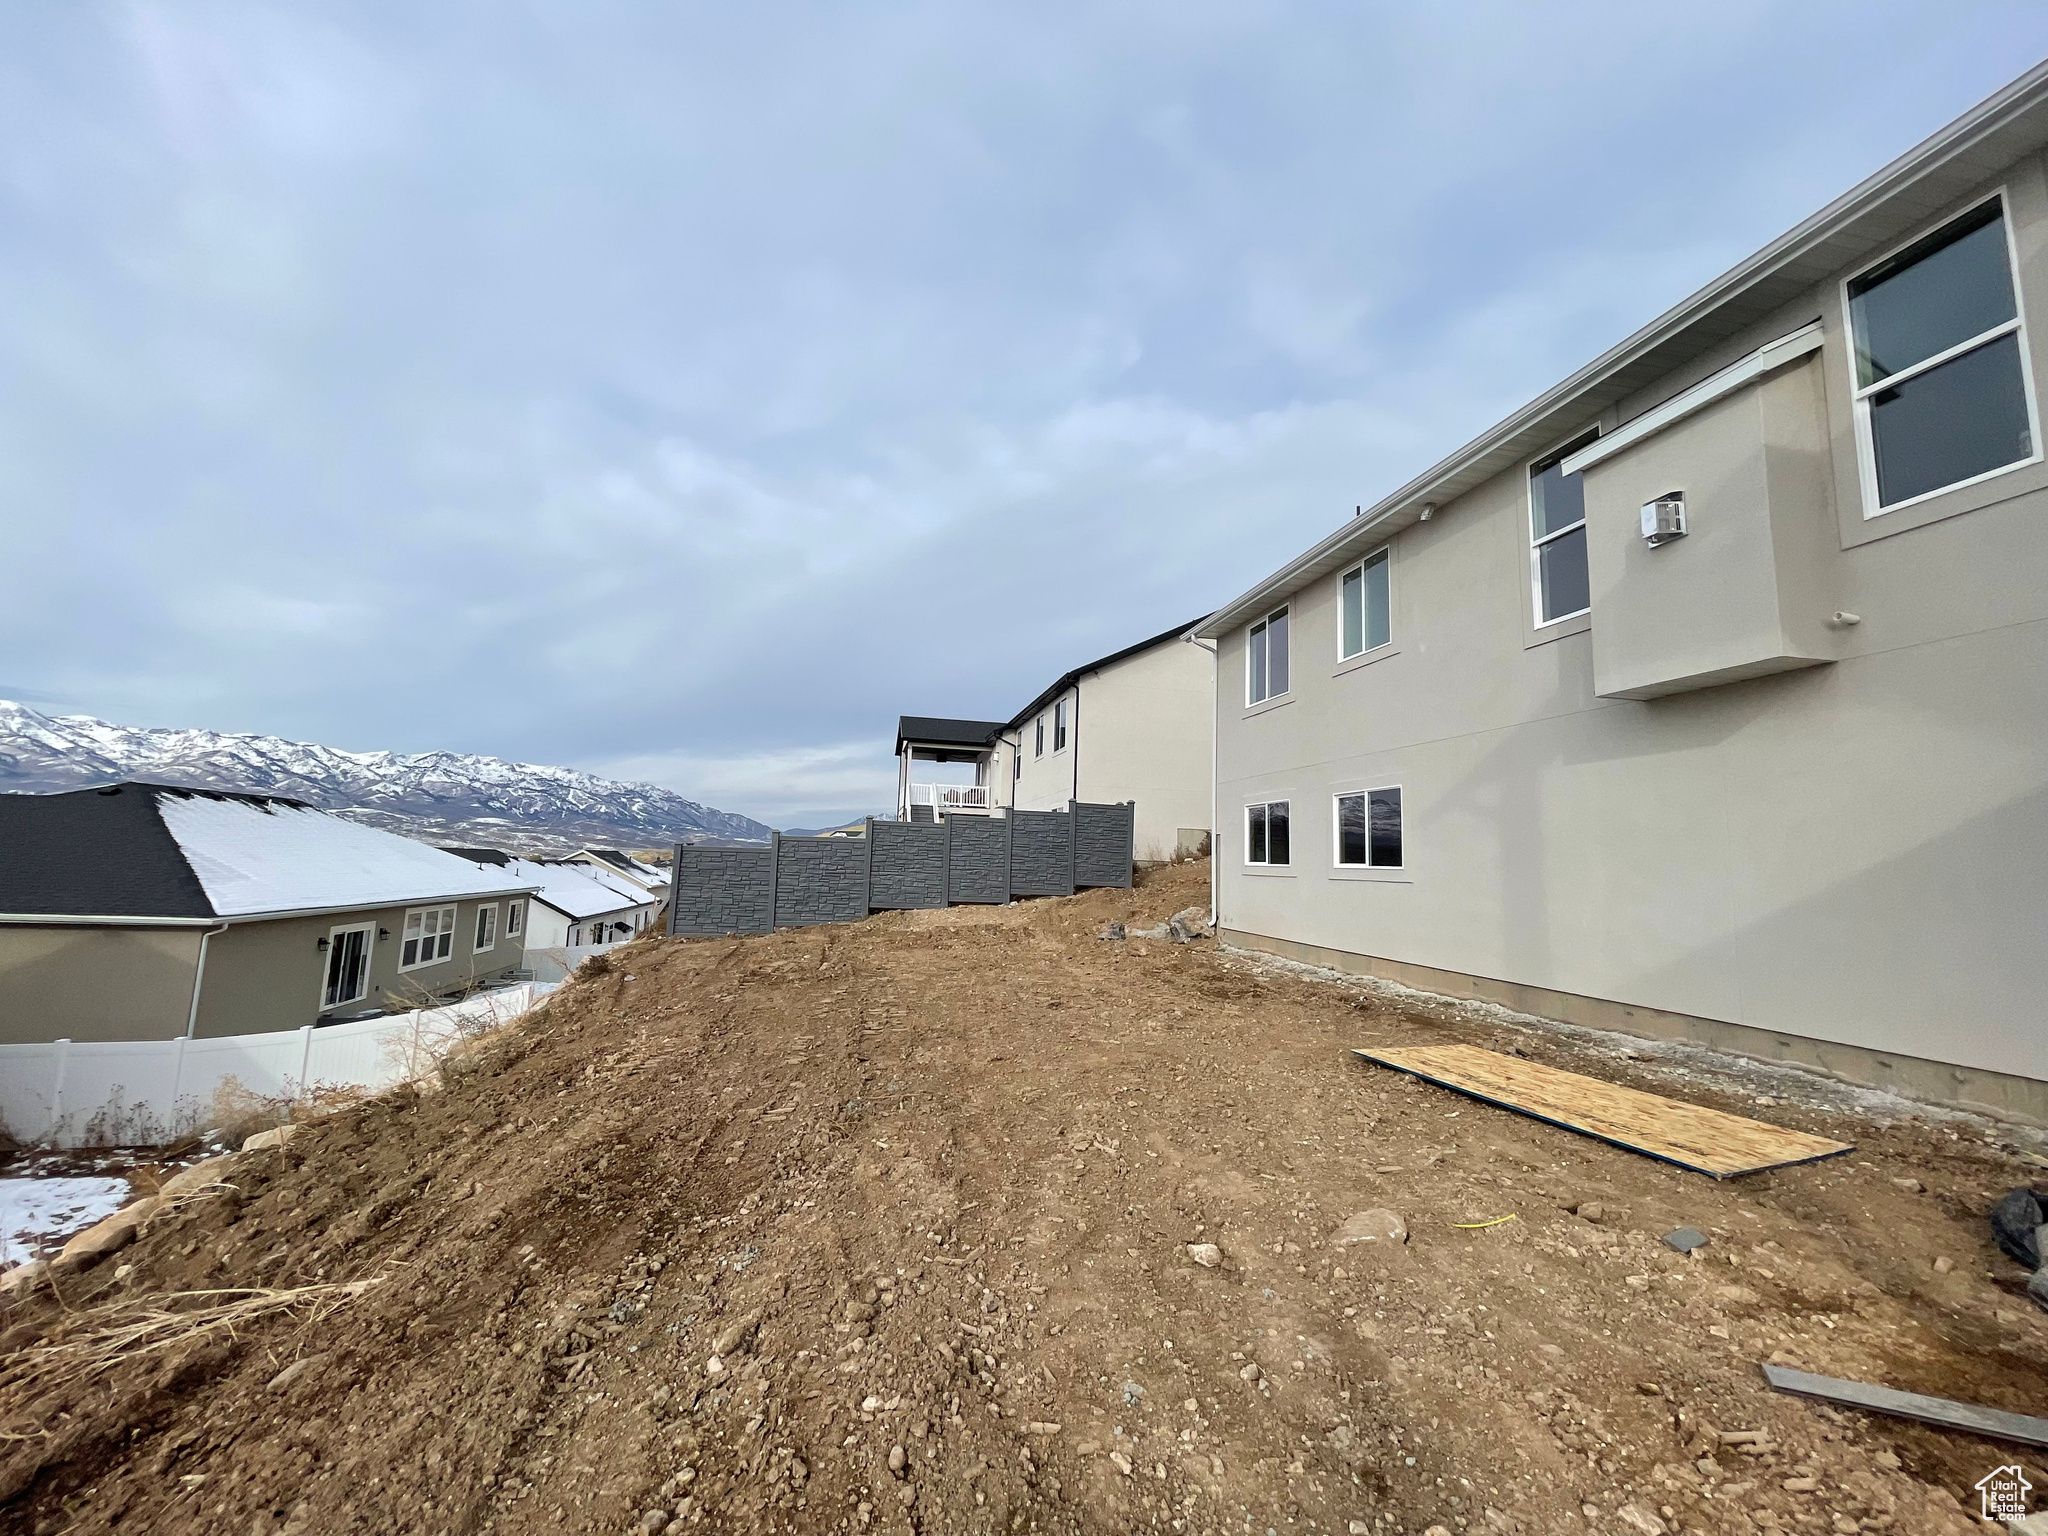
(886, 1228)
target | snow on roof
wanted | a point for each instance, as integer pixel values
(573, 890)
(606, 876)
(253, 857)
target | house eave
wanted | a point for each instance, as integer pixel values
(115, 920)
(1881, 208)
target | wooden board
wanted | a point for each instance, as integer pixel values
(1992, 1423)
(1704, 1140)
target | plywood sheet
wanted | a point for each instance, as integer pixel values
(1702, 1139)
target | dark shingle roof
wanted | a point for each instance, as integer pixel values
(938, 731)
(96, 852)
(495, 856)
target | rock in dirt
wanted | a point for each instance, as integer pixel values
(21, 1279)
(1591, 1210)
(263, 1141)
(1685, 1239)
(2037, 1288)
(654, 1522)
(187, 1181)
(897, 1457)
(1123, 1462)
(1640, 1518)
(1374, 1226)
(1189, 924)
(1113, 931)
(1208, 1255)
(2014, 1221)
(108, 1236)
(737, 1338)
(296, 1372)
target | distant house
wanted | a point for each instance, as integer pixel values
(574, 903)
(138, 911)
(1136, 725)
(616, 865)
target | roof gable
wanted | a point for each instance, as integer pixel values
(94, 852)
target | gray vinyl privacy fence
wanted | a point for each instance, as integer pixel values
(955, 860)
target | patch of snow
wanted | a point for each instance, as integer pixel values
(570, 889)
(37, 1215)
(252, 859)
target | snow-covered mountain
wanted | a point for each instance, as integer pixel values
(439, 797)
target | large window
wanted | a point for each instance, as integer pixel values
(1941, 377)
(1265, 834)
(1369, 829)
(1265, 658)
(1557, 536)
(486, 928)
(348, 965)
(1368, 620)
(1059, 726)
(429, 936)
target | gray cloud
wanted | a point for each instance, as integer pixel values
(688, 392)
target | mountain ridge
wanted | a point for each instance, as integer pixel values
(432, 796)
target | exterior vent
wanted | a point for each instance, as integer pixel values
(1664, 519)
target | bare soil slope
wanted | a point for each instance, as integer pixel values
(924, 1188)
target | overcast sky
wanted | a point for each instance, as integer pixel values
(682, 392)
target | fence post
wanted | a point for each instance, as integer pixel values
(774, 875)
(1010, 854)
(177, 1084)
(867, 869)
(57, 1089)
(675, 871)
(1073, 844)
(947, 822)
(305, 1061)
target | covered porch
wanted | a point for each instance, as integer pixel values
(934, 760)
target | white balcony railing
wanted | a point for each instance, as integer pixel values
(951, 797)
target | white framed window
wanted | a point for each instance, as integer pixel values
(1944, 396)
(428, 938)
(1366, 614)
(1265, 658)
(1557, 536)
(515, 919)
(1368, 829)
(347, 973)
(1059, 726)
(1038, 747)
(486, 928)
(1266, 834)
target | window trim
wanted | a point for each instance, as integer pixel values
(1860, 394)
(1059, 726)
(1284, 610)
(1267, 863)
(1038, 740)
(1563, 450)
(515, 919)
(369, 931)
(1384, 553)
(483, 910)
(454, 908)
(1337, 834)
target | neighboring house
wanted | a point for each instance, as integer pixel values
(139, 911)
(573, 904)
(616, 865)
(1133, 725)
(1779, 782)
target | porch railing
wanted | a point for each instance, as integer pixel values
(951, 797)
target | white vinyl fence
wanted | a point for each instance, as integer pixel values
(555, 964)
(106, 1093)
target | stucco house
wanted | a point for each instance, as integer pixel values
(1706, 695)
(573, 903)
(616, 866)
(144, 911)
(1133, 725)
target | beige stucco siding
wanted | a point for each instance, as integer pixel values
(1137, 730)
(1851, 852)
(1145, 726)
(95, 983)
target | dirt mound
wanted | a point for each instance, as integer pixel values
(887, 1227)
